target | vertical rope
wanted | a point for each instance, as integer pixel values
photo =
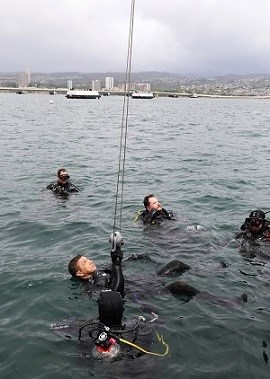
(124, 129)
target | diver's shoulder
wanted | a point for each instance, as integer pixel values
(73, 188)
(51, 186)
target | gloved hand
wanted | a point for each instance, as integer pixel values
(117, 241)
(169, 214)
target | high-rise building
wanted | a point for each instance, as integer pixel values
(69, 84)
(23, 78)
(109, 82)
(96, 85)
(28, 75)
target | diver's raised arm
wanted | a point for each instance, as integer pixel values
(117, 278)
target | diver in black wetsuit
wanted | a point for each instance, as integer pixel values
(62, 187)
(103, 336)
(255, 227)
(111, 278)
(153, 212)
(109, 335)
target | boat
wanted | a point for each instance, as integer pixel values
(82, 94)
(142, 95)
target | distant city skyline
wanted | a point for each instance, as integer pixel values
(160, 82)
(194, 37)
(23, 79)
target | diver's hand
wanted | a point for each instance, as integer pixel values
(117, 241)
(167, 214)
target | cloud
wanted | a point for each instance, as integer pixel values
(188, 36)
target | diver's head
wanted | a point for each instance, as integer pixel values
(151, 203)
(256, 221)
(257, 215)
(81, 267)
(62, 176)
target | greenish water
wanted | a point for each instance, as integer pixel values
(207, 160)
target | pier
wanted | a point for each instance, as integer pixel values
(63, 91)
(34, 90)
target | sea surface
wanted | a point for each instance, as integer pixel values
(208, 160)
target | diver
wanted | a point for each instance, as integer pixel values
(109, 335)
(153, 213)
(92, 279)
(138, 290)
(110, 283)
(111, 278)
(255, 227)
(62, 186)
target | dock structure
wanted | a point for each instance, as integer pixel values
(34, 90)
(63, 91)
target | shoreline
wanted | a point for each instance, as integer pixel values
(63, 91)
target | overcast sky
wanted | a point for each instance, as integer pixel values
(205, 37)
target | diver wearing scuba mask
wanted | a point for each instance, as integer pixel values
(256, 226)
(62, 186)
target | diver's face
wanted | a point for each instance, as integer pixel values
(256, 227)
(63, 177)
(85, 268)
(154, 204)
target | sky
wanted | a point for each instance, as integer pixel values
(198, 37)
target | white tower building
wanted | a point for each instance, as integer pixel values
(28, 74)
(109, 82)
(23, 78)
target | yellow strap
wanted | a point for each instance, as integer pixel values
(159, 337)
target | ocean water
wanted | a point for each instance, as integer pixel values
(206, 159)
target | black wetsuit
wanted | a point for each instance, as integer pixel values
(110, 278)
(249, 234)
(155, 217)
(135, 332)
(110, 284)
(62, 189)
